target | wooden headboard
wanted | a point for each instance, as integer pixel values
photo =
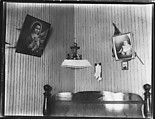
(146, 102)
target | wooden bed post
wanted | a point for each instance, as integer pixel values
(47, 95)
(147, 105)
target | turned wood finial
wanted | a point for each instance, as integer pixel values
(47, 95)
(147, 105)
(47, 88)
(147, 87)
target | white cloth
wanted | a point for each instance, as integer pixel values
(98, 72)
(110, 96)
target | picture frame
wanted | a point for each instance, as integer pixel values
(124, 65)
(33, 36)
(123, 46)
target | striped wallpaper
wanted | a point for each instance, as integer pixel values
(94, 29)
(91, 25)
(26, 75)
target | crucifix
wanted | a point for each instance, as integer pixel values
(74, 56)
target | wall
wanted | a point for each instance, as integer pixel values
(26, 75)
(94, 29)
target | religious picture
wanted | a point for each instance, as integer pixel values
(33, 36)
(122, 46)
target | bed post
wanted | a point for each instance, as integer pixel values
(147, 105)
(47, 95)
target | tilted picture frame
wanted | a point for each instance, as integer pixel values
(123, 47)
(33, 36)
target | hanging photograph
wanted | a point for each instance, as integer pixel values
(33, 36)
(123, 47)
(124, 65)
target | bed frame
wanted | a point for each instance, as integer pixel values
(49, 103)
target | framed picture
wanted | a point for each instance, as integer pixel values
(33, 36)
(124, 65)
(123, 47)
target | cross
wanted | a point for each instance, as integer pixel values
(74, 49)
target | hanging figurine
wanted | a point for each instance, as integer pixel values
(98, 71)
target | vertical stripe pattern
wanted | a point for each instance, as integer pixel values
(91, 25)
(26, 75)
